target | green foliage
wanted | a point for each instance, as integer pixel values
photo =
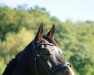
(2, 66)
(9, 45)
(18, 27)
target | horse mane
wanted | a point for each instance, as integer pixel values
(10, 67)
(12, 64)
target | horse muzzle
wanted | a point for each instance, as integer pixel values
(59, 67)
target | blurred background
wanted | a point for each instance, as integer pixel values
(74, 20)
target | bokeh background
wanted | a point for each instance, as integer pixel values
(74, 20)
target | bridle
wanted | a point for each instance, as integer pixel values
(43, 63)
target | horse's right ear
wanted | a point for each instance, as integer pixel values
(39, 34)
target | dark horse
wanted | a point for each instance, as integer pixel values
(41, 57)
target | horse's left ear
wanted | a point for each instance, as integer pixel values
(39, 34)
(51, 33)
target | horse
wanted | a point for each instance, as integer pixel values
(42, 56)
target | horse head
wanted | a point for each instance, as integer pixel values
(49, 55)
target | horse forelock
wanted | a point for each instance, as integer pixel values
(49, 40)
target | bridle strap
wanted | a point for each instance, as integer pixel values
(36, 65)
(37, 57)
(45, 66)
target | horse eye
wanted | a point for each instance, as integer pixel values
(46, 52)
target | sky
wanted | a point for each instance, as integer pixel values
(74, 10)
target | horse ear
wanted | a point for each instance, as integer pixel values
(39, 34)
(51, 33)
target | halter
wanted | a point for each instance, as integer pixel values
(43, 63)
